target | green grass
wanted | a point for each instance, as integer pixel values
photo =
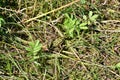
(59, 40)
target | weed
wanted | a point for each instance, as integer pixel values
(72, 24)
(33, 49)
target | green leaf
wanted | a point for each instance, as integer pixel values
(36, 57)
(117, 65)
(2, 21)
(84, 27)
(37, 49)
(71, 32)
(28, 49)
(83, 1)
(94, 17)
(83, 24)
(31, 44)
(37, 46)
(84, 17)
(67, 15)
(88, 22)
(34, 48)
(90, 14)
(77, 22)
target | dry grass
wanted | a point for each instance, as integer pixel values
(91, 55)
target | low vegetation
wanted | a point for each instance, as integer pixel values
(59, 40)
